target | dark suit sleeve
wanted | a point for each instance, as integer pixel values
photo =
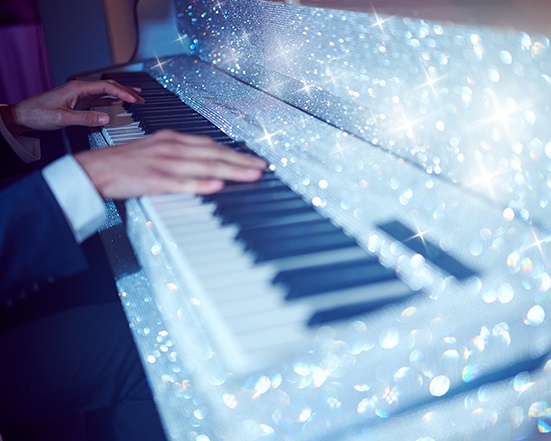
(10, 163)
(37, 245)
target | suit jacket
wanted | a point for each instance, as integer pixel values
(37, 245)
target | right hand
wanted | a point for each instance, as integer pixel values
(167, 162)
(66, 106)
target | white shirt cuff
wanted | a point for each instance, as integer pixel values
(83, 207)
(28, 149)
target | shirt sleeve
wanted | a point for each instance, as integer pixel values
(28, 149)
(76, 195)
(82, 206)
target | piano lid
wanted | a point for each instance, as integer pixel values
(527, 15)
(464, 102)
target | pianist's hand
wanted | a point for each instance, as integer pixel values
(167, 162)
(64, 106)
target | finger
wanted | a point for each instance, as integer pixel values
(218, 152)
(134, 91)
(112, 88)
(202, 147)
(170, 185)
(205, 169)
(191, 186)
(87, 118)
(100, 102)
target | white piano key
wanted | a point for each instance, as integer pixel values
(116, 130)
(160, 200)
(165, 206)
(209, 224)
(236, 278)
(275, 336)
(220, 256)
(188, 212)
(210, 247)
(229, 267)
(248, 305)
(242, 324)
(209, 235)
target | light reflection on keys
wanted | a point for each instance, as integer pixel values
(252, 309)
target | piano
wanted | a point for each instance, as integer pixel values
(388, 277)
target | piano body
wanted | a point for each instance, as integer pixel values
(389, 276)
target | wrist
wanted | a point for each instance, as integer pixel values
(10, 119)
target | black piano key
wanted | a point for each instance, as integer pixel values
(157, 107)
(152, 103)
(325, 316)
(246, 209)
(155, 92)
(428, 250)
(240, 146)
(156, 104)
(328, 278)
(227, 142)
(285, 231)
(214, 134)
(254, 187)
(282, 276)
(227, 196)
(257, 219)
(151, 99)
(191, 125)
(142, 109)
(146, 117)
(176, 104)
(289, 218)
(145, 120)
(174, 117)
(297, 246)
(171, 118)
(155, 111)
(181, 123)
(253, 198)
(177, 125)
(263, 178)
(152, 96)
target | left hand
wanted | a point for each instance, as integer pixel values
(64, 106)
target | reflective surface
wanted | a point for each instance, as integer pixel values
(522, 15)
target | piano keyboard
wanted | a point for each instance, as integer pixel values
(268, 268)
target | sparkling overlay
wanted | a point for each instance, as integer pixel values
(372, 119)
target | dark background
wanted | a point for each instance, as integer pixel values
(43, 42)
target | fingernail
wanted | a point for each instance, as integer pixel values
(103, 119)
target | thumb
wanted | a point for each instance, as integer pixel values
(88, 118)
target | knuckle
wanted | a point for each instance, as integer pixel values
(165, 148)
(164, 134)
(87, 118)
(74, 84)
(219, 169)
